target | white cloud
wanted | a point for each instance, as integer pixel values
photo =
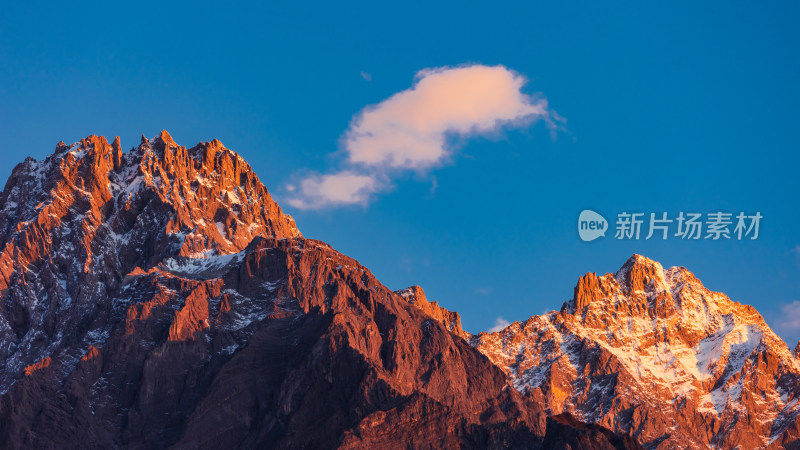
(343, 188)
(414, 129)
(410, 128)
(366, 76)
(499, 325)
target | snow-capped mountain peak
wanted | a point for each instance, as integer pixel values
(649, 336)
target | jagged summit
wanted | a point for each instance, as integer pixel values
(637, 274)
(637, 259)
(710, 370)
(159, 298)
(75, 224)
(206, 186)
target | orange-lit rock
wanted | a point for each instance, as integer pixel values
(160, 298)
(41, 364)
(653, 353)
(91, 353)
(451, 320)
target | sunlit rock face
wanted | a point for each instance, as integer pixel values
(450, 319)
(159, 297)
(653, 353)
(74, 226)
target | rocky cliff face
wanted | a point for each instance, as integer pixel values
(160, 297)
(450, 319)
(73, 226)
(652, 352)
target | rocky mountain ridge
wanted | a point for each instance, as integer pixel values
(160, 298)
(73, 226)
(653, 353)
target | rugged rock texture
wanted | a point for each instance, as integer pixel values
(160, 298)
(73, 226)
(451, 320)
(655, 354)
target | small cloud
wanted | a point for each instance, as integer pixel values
(418, 129)
(290, 188)
(343, 188)
(499, 325)
(366, 76)
(483, 291)
(434, 186)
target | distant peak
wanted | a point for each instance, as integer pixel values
(638, 272)
(161, 142)
(637, 259)
(165, 137)
(158, 142)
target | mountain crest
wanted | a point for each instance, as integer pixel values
(414, 295)
(74, 225)
(160, 298)
(154, 297)
(655, 337)
(639, 275)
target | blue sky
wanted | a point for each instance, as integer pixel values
(668, 107)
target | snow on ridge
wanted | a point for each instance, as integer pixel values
(675, 339)
(201, 264)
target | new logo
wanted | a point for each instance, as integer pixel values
(591, 225)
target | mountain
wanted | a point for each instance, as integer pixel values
(160, 298)
(451, 320)
(653, 353)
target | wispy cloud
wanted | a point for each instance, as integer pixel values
(499, 325)
(343, 188)
(366, 76)
(434, 186)
(415, 130)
